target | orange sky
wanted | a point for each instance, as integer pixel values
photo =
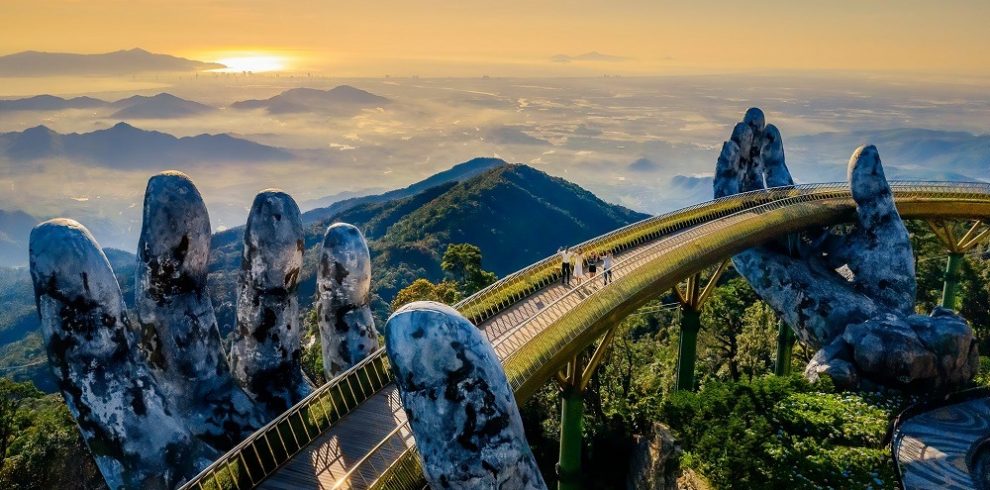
(471, 37)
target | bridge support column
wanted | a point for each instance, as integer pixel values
(692, 298)
(573, 381)
(785, 347)
(571, 427)
(946, 232)
(687, 350)
(951, 278)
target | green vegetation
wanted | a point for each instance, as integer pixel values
(40, 446)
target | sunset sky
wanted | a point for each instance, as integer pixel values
(472, 37)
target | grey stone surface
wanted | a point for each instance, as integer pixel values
(655, 460)
(459, 404)
(266, 357)
(347, 328)
(178, 328)
(861, 321)
(124, 414)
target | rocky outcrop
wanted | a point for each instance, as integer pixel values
(460, 407)
(125, 414)
(654, 464)
(861, 321)
(347, 328)
(266, 357)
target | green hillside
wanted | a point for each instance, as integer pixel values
(515, 214)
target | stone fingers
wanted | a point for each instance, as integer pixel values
(879, 251)
(775, 169)
(809, 297)
(347, 328)
(179, 333)
(266, 355)
(125, 416)
(460, 407)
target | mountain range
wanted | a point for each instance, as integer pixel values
(342, 99)
(124, 62)
(161, 106)
(125, 146)
(515, 214)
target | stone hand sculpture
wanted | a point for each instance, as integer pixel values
(860, 320)
(458, 401)
(156, 400)
(347, 328)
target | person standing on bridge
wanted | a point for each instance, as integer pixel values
(607, 261)
(577, 263)
(565, 265)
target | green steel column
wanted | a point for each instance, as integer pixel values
(571, 420)
(951, 280)
(688, 349)
(785, 346)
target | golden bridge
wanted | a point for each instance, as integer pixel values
(352, 431)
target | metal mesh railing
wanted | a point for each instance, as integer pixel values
(531, 345)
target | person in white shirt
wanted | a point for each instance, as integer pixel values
(565, 265)
(607, 261)
(578, 266)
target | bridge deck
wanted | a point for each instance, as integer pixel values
(937, 448)
(328, 459)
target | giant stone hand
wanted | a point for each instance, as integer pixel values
(156, 400)
(861, 319)
(460, 407)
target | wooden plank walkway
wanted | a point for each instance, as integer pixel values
(936, 449)
(328, 459)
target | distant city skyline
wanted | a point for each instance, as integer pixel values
(519, 38)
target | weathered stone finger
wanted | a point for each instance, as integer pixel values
(347, 328)
(458, 401)
(179, 331)
(726, 180)
(812, 299)
(266, 356)
(878, 251)
(772, 153)
(124, 415)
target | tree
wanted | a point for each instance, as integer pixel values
(462, 262)
(42, 446)
(723, 320)
(12, 396)
(423, 290)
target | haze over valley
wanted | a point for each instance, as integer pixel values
(647, 143)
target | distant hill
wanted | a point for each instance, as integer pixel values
(161, 106)
(124, 145)
(514, 213)
(50, 103)
(457, 173)
(40, 64)
(342, 99)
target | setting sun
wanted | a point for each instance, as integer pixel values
(256, 63)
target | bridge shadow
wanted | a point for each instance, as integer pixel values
(341, 452)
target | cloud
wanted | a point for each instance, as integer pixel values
(590, 56)
(643, 165)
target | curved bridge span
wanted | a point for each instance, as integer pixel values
(352, 432)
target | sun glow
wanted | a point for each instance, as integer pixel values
(253, 63)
